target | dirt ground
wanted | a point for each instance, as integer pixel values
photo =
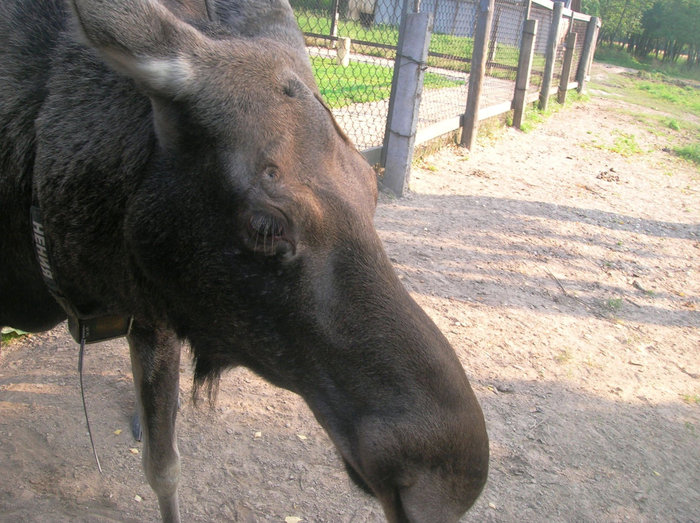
(565, 275)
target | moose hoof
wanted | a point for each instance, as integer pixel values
(136, 431)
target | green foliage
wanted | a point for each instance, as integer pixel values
(625, 144)
(621, 17)
(361, 82)
(535, 116)
(673, 124)
(676, 106)
(691, 399)
(311, 22)
(617, 55)
(614, 304)
(667, 30)
(9, 334)
(458, 47)
(687, 97)
(690, 152)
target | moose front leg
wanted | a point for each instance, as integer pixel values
(155, 363)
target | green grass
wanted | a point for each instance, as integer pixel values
(360, 82)
(625, 144)
(673, 124)
(674, 104)
(459, 47)
(691, 399)
(614, 304)
(9, 334)
(686, 97)
(690, 152)
(618, 56)
(535, 116)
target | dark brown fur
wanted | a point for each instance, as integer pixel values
(190, 177)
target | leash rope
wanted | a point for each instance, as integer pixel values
(82, 395)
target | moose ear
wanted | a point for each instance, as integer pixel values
(142, 39)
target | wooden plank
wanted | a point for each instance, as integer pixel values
(495, 110)
(438, 129)
(373, 155)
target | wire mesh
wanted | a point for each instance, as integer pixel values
(579, 27)
(564, 26)
(354, 80)
(449, 59)
(352, 45)
(544, 25)
(503, 51)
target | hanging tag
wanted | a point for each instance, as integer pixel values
(103, 328)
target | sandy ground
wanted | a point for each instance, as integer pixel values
(565, 275)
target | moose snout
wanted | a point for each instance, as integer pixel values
(426, 466)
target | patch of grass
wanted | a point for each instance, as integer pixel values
(691, 399)
(535, 116)
(9, 334)
(614, 304)
(690, 152)
(458, 47)
(613, 54)
(361, 82)
(564, 356)
(673, 124)
(625, 144)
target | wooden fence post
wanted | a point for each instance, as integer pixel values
(522, 81)
(401, 134)
(476, 75)
(586, 58)
(334, 18)
(566, 67)
(551, 54)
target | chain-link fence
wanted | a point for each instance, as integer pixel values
(579, 27)
(353, 48)
(449, 59)
(503, 51)
(544, 17)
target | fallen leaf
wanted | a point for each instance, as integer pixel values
(138, 498)
(301, 437)
(292, 519)
(118, 431)
(258, 434)
(134, 451)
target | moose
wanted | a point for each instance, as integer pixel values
(189, 177)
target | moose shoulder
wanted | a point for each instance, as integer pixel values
(190, 177)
